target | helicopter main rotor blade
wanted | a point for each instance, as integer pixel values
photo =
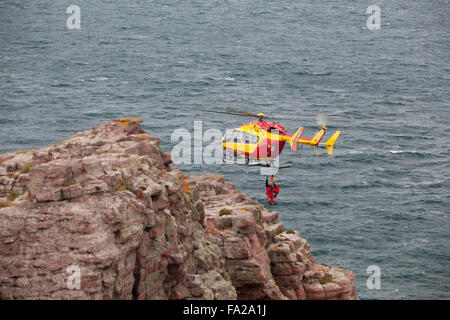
(320, 118)
(248, 114)
(286, 116)
(231, 112)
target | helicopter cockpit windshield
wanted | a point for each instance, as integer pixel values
(240, 137)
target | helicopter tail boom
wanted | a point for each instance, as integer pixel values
(315, 140)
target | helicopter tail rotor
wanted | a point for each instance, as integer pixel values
(323, 119)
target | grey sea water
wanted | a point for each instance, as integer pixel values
(383, 199)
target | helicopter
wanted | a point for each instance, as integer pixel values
(260, 142)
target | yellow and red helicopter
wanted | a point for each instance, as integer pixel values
(264, 141)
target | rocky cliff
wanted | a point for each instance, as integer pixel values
(107, 202)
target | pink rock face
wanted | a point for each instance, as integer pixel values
(263, 260)
(107, 203)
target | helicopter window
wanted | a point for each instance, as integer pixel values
(241, 137)
(244, 137)
(238, 137)
(252, 139)
(228, 137)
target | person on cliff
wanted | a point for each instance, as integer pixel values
(272, 190)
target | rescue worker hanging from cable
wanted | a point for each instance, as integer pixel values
(272, 190)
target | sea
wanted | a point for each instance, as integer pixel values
(379, 206)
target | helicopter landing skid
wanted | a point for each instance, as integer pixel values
(235, 163)
(247, 163)
(265, 164)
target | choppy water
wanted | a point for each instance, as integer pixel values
(382, 200)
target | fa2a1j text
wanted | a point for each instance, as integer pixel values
(231, 309)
